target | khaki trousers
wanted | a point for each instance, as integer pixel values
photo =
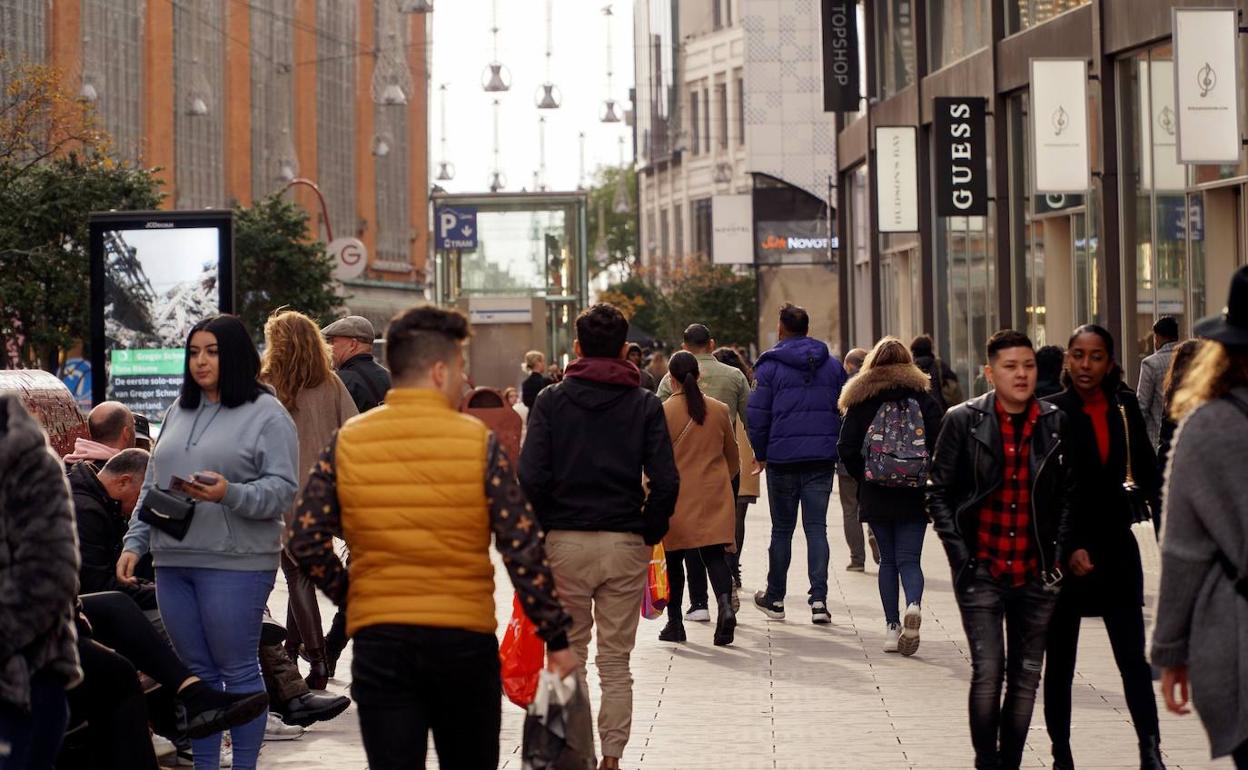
(600, 577)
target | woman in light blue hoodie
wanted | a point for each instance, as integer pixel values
(231, 446)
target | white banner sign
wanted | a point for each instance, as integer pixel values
(897, 178)
(1159, 165)
(732, 227)
(1059, 125)
(1206, 84)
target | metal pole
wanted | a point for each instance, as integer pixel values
(329, 228)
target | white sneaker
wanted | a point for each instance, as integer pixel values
(908, 644)
(277, 730)
(891, 633)
(163, 747)
(227, 750)
(819, 613)
(698, 615)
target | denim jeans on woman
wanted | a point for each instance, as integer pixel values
(213, 617)
(900, 539)
(786, 488)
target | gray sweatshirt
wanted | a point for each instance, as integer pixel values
(256, 449)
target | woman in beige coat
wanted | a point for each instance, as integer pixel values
(705, 447)
(298, 366)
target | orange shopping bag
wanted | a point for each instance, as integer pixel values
(658, 591)
(522, 655)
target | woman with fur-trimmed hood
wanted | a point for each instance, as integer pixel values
(895, 514)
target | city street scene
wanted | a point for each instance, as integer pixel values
(566, 385)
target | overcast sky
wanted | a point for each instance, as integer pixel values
(462, 50)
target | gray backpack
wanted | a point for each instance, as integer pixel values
(895, 446)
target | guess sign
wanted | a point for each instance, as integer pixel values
(960, 156)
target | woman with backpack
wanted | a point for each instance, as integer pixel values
(888, 434)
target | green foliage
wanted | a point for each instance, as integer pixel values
(620, 246)
(44, 261)
(715, 295)
(276, 266)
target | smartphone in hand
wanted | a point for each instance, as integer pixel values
(178, 484)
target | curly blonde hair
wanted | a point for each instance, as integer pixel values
(296, 356)
(1214, 371)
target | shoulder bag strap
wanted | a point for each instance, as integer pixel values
(684, 431)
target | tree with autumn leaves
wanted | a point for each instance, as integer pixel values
(695, 291)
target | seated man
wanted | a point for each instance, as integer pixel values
(111, 429)
(103, 503)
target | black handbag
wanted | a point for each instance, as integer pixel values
(167, 512)
(1137, 498)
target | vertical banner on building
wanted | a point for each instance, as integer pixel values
(960, 161)
(732, 231)
(897, 178)
(1206, 84)
(1160, 168)
(1059, 125)
(840, 56)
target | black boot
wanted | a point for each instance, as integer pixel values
(726, 623)
(1062, 758)
(1150, 753)
(206, 710)
(335, 642)
(674, 631)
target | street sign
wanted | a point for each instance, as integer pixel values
(456, 228)
(350, 257)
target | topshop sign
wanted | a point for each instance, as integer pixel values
(959, 129)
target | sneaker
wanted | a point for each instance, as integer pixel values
(163, 747)
(773, 610)
(698, 615)
(891, 635)
(855, 567)
(277, 730)
(908, 644)
(875, 547)
(819, 613)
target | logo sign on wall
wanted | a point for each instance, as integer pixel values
(897, 182)
(731, 230)
(1206, 73)
(959, 130)
(840, 56)
(1059, 125)
(350, 257)
(456, 228)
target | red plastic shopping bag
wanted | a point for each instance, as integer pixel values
(522, 655)
(658, 591)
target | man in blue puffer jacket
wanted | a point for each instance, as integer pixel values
(793, 427)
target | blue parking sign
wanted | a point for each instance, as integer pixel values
(456, 228)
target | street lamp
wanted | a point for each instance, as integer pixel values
(329, 230)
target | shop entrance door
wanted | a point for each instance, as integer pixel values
(1216, 230)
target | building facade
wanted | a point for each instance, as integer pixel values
(231, 100)
(1148, 237)
(728, 106)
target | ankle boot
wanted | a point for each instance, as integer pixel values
(674, 631)
(1150, 753)
(1062, 758)
(318, 673)
(336, 642)
(726, 623)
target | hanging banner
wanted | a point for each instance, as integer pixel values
(1059, 125)
(732, 241)
(897, 178)
(960, 156)
(840, 56)
(1159, 162)
(1206, 84)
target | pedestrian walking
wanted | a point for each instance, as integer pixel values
(657, 366)
(591, 437)
(228, 444)
(635, 357)
(793, 427)
(418, 514)
(705, 447)
(748, 487)
(297, 364)
(1111, 451)
(1050, 360)
(1151, 390)
(39, 569)
(535, 365)
(888, 434)
(351, 342)
(847, 491)
(945, 386)
(1200, 638)
(1000, 497)
(1180, 363)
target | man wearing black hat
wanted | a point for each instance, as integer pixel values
(351, 340)
(1151, 391)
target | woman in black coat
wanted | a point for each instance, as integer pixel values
(895, 514)
(1104, 577)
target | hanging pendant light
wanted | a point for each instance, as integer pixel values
(392, 80)
(287, 160)
(88, 92)
(580, 166)
(383, 143)
(548, 96)
(539, 181)
(199, 95)
(446, 169)
(610, 111)
(620, 203)
(497, 180)
(496, 78)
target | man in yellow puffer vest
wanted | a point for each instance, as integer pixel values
(416, 489)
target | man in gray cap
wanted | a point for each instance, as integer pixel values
(367, 381)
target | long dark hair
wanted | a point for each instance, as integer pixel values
(1184, 354)
(734, 359)
(1113, 378)
(238, 364)
(683, 368)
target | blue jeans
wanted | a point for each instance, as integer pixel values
(785, 489)
(901, 544)
(213, 617)
(31, 741)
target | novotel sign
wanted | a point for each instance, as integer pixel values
(960, 156)
(795, 243)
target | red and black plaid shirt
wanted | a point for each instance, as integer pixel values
(1005, 541)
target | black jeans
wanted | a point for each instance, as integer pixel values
(111, 702)
(408, 680)
(117, 622)
(715, 559)
(1125, 626)
(1013, 655)
(33, 738)
(1240, 756)
(696, 570)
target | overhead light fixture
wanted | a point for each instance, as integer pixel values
(610, 112)
(382, 144)
(446, 171)
(88, 93)
(198, 107)
(548, 97)
(415, 6)
(498, 182)
(496, 78)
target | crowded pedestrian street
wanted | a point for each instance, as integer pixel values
(796, 696)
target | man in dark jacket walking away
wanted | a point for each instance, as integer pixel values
(351, 340)
(999, 496)
(945, 386)
(590, 438)
(793, 424)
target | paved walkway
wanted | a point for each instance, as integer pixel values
(791, 695)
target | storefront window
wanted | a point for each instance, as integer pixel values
(958, 28)
(894, 46)
(1021, 14)
(965, 257)
(901, 286)
(860, 297)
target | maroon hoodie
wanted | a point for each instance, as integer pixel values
(608, 371)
